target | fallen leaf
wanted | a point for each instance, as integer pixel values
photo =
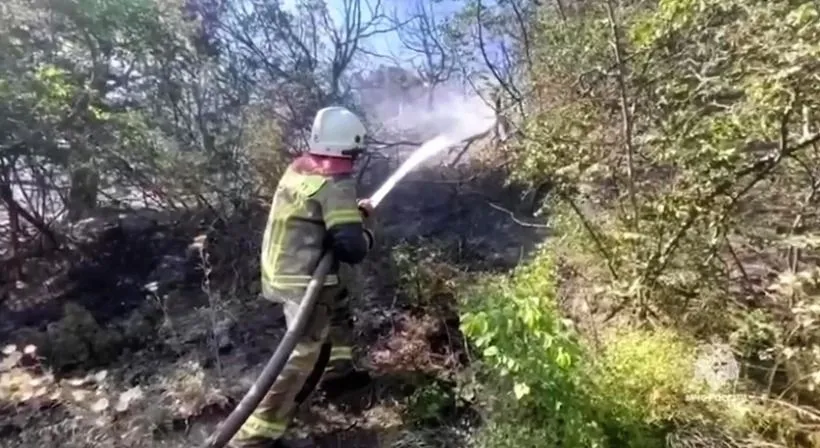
(26, 395)
(128, 397)
(100, 405)
(100, 376)
(10, 361)
(76, 382)
(79, 395)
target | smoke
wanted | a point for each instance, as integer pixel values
(437, 120)
(419, 115)
(455, 115)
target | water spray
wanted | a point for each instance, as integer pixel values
(425, 151)
(263, 383)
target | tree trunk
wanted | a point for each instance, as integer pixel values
(82, 196)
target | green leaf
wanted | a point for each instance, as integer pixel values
(490, 352)
(563, 359)
(521, 390)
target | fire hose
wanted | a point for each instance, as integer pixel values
(277, 362)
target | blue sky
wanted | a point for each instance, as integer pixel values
(388, 43)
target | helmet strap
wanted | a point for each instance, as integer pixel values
(353, 153)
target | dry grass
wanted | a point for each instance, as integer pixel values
(188, 390)
(408, 348)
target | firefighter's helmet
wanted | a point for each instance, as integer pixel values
(337, 132)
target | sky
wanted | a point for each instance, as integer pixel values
(388, 43)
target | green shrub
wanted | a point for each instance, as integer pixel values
(646, 374)
(532, 361)
(640, 383)
(545, 388)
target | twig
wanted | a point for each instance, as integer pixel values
(593, 234)
(213, 302)
(508, 212)
(737, 259)
(516, 220)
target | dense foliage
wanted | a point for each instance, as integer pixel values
(679, 144)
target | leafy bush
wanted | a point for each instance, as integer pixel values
(641, 381)
(679, 138)
(531, 357)
(548, 388)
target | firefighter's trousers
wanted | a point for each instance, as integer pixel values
(327, 336)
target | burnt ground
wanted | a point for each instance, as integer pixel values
(136, 347)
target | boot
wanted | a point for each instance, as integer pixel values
(339, 368)
(342, 375)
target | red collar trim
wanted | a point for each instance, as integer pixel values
(326, 166)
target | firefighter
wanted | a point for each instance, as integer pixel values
(314, 208)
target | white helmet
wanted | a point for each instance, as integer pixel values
(336, 132)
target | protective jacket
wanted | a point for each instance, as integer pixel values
(314, 208)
